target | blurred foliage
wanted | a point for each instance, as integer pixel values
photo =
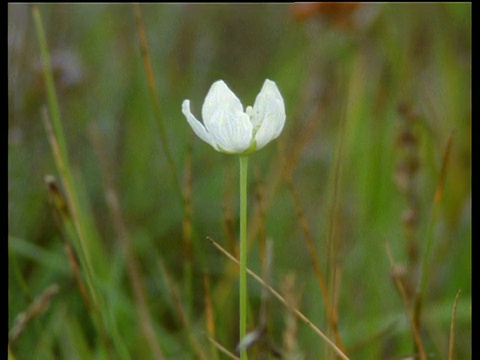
(345, 75)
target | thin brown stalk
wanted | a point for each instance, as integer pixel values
(436, 207)
(408, 307)
(133, 268)
(72, 225)
(336, 294)
(147, 64)
(316, 265)
(221, 348)
(333, 237)
(80, 235)
(72, 208)
(72, 260)
(38, 306)
(62, 217)
(290, 332)
(283, 301)
(443, 171)
(182, 314)
(56, 138)
(208, 306)
(282, 168)
(451, 344)
(58, 146)
(210, 320)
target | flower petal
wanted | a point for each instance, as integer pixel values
(268, 116)
(231, 130)
(197, 126)
(219, 97)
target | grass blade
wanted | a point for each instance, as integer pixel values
(408, 308)
(316, 265)
(436, 207)
(182, 314)
(147, 64)
(451, 345)
(82, 242)
(133, 268)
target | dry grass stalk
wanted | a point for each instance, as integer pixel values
(331, 314)
(408, 307)
(451, 344)
(275, 293)
(147, 64)
(221, 348)
(71, 201)
(209, 317)
(133, 268)
(290, 333)
(38, 306)
(61, 214)
(182, 314)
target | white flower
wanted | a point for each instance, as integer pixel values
(229, 129)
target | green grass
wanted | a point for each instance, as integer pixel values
(137, 277)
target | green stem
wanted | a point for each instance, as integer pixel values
(243, 253)
(77, 225)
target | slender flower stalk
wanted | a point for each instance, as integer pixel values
(231, 130)
(243, 251)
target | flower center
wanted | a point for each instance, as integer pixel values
(256, 126)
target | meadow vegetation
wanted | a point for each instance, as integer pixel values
(121, 221)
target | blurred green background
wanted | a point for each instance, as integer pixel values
(372, 94)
